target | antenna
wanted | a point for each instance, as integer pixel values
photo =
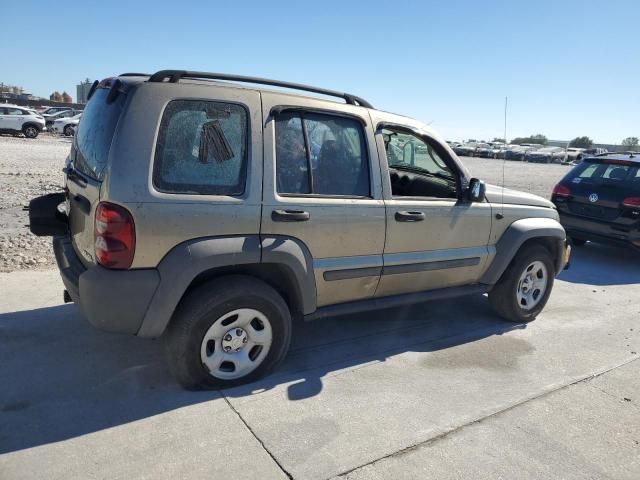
(504, 159)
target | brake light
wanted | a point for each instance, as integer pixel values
(633, 202)
(561, 191)
(115, 236)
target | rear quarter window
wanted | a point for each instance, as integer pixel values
(95, 133)
(202, 148)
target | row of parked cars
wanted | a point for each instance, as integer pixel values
(17, 120)
(528, 152)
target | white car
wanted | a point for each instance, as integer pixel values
(66, 126)
(51, 118)
(15, 120)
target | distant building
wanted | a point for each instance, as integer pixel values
(82, 91)
(11, 93)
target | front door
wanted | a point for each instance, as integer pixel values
(435, 239)
(322, 188)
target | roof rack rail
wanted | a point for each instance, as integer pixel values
(133, 74)
(173, 76)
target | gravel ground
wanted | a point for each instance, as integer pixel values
(29, 168)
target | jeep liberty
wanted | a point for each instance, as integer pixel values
(211, 211)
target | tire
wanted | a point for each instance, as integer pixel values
(68, 130)
(504, 296)
(29, 131)
(217, 306)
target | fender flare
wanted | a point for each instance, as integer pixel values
(515, 236)
(186, 261)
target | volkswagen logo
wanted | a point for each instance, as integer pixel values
(593, 198)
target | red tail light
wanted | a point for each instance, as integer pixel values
(561, 191)
(115, 236)
(633, 202)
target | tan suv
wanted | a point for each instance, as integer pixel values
(213, 213)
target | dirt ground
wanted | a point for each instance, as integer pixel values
(29, 168)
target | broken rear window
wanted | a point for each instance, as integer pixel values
(202, 148)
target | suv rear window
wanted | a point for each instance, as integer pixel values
(202, 148)
(604, 173)
(95, 133)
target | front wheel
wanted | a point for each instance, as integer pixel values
(524, 288)
(68, 130)
(228, 332)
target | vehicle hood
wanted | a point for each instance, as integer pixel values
(514, 197)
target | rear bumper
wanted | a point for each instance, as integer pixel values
(595, 230)
(111, 300)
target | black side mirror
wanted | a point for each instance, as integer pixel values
(476, 190)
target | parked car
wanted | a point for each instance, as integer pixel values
(466, 150)
(599, 199)
(484, 150)
(66, 125)
(595, 151)
(54, 110)
(51, 118)
(498, 150)
(574, 155)
(191, 218)
(545, 155)
(16, 120)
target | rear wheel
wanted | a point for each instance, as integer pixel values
(524, 288)
(30, 131)
(228, 332)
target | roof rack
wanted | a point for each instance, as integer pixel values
(133, 74)
(173, 76)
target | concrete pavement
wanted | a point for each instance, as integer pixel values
(441, 390)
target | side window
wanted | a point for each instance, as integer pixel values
(416, 169)
(202, 148)
(14, 111)
(321, 154)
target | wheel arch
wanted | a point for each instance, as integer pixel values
(520, 234)
(282, 262)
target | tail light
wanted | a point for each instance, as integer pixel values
(115, 236)
(561, 191)
(633, 202)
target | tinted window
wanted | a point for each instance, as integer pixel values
(202, 148)
(321, 154)
(595, 173)
(95, 133)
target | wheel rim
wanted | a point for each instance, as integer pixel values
(236, 344)
(532, 285)
(67, 131)
(30, 131)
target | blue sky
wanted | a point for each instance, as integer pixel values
(568, 67)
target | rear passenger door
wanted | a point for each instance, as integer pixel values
(322, 187)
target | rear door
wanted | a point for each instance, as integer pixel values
(84, 174)
(322, 187)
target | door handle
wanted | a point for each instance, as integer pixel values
(404, 216)
(289, 216)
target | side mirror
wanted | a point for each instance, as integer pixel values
(476, 190)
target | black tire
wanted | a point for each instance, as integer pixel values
(207, 303)
(30, 131)
(68, 130)
(503, 297)
(577, 241)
